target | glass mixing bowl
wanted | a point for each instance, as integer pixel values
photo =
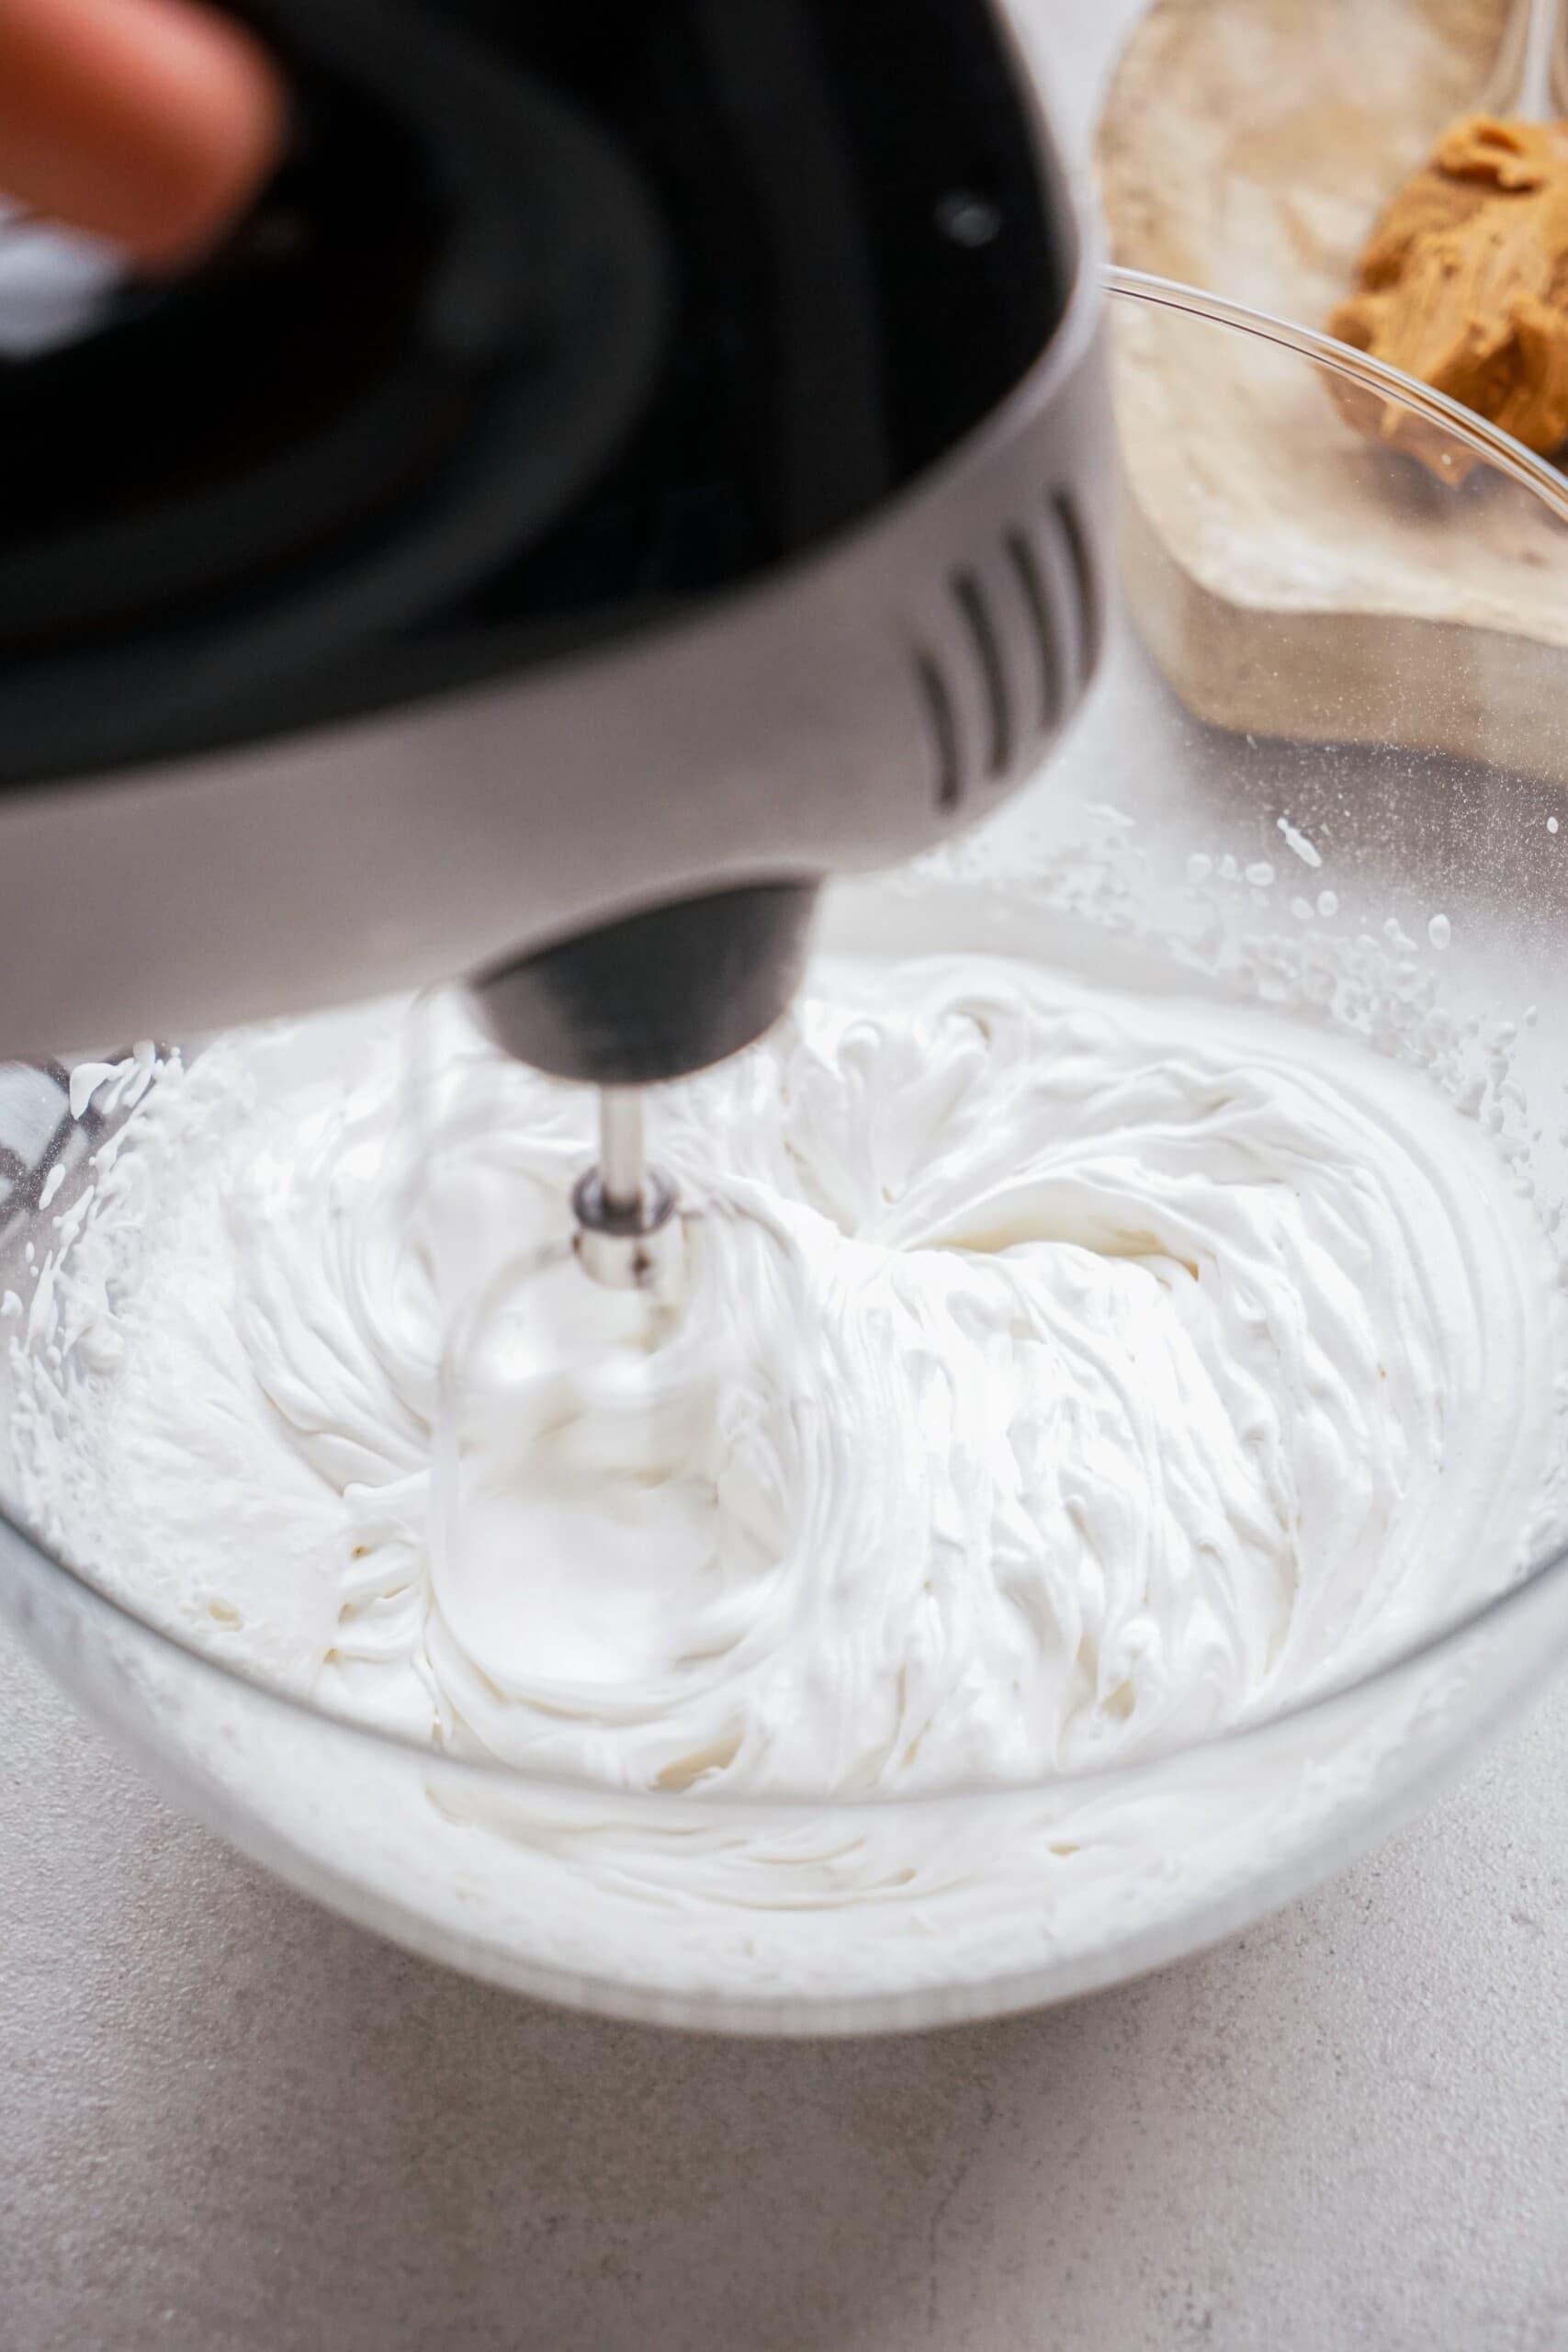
(1321, 770)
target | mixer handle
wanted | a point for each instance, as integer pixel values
(436, 328)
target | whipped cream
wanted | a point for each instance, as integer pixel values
(1060, 1374)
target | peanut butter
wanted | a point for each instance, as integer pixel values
(1465, 284)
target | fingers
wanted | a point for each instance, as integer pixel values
(153, 123)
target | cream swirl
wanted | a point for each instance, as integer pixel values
(1060, 1372)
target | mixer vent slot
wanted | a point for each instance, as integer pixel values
(1031, 588)
(1075, 541)
(1003, 698)
(937, 697)
(970, 598)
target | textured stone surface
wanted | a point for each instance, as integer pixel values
(230, 2123)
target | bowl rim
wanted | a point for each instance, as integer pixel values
(1504, 454)
(1449, 1636)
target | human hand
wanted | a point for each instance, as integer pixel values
(149, 122)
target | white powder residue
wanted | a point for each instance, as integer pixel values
(1298, 844)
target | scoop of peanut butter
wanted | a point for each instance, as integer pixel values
(1465, 284)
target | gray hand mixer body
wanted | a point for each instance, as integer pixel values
(634, 464)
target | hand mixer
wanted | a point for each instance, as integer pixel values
(634, 462)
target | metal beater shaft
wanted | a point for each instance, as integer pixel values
(627, 1231)
(623, 1160)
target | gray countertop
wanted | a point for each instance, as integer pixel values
(230, 2123)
